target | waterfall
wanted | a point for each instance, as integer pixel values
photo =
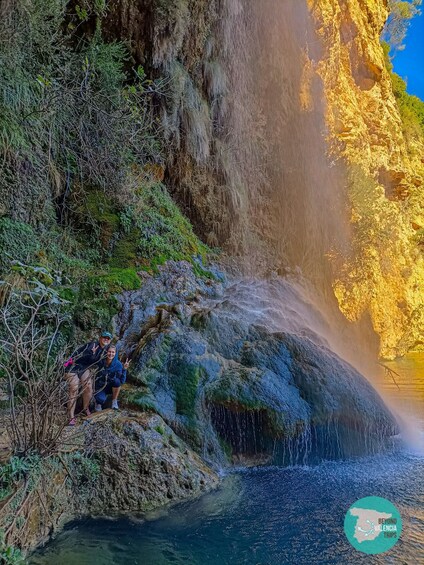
(285, 224)
(289, 194)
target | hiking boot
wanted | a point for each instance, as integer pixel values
(72, 422)
(115, 405)
(98, 408)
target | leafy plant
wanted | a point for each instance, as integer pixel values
(9, 555)
(14, 471)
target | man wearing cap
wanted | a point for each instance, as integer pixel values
(79, 370)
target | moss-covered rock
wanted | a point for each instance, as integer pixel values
(214, 374)
(122, 462)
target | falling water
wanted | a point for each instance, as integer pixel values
(289, 193)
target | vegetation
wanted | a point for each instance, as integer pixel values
(83, 206)
(26, 483)
(68, 114)
(411, 107)
(83, 210)
(185, 385)
(9, 555)
(401, 13)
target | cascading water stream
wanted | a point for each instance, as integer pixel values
(289, 193)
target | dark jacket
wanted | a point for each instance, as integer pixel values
(107, 374)
(84, 358)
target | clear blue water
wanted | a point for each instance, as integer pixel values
(266, 516)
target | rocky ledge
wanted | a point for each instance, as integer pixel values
(114, 463)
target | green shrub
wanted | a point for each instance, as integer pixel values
(10, 555)
(15, 470)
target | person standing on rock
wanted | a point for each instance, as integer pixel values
(79, 372)
(111, 375)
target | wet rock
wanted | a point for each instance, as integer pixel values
(229, 383)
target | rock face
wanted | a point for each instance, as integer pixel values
(238, 170)
(119, 463)
(144, 466)
(230, 384)
(385, 274)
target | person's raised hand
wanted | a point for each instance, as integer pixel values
(127, 363)
(94, 348)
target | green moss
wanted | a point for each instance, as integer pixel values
(101, 208)
(160, 430)
(165, 232)
(185, 385)
(98, 210)
(117, 280)
(204, 273)
(125, 253)
(147, 233)
(97, 303)
(141, 401)
(236, 388)
(158, 360)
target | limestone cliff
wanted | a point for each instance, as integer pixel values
(385, 272)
